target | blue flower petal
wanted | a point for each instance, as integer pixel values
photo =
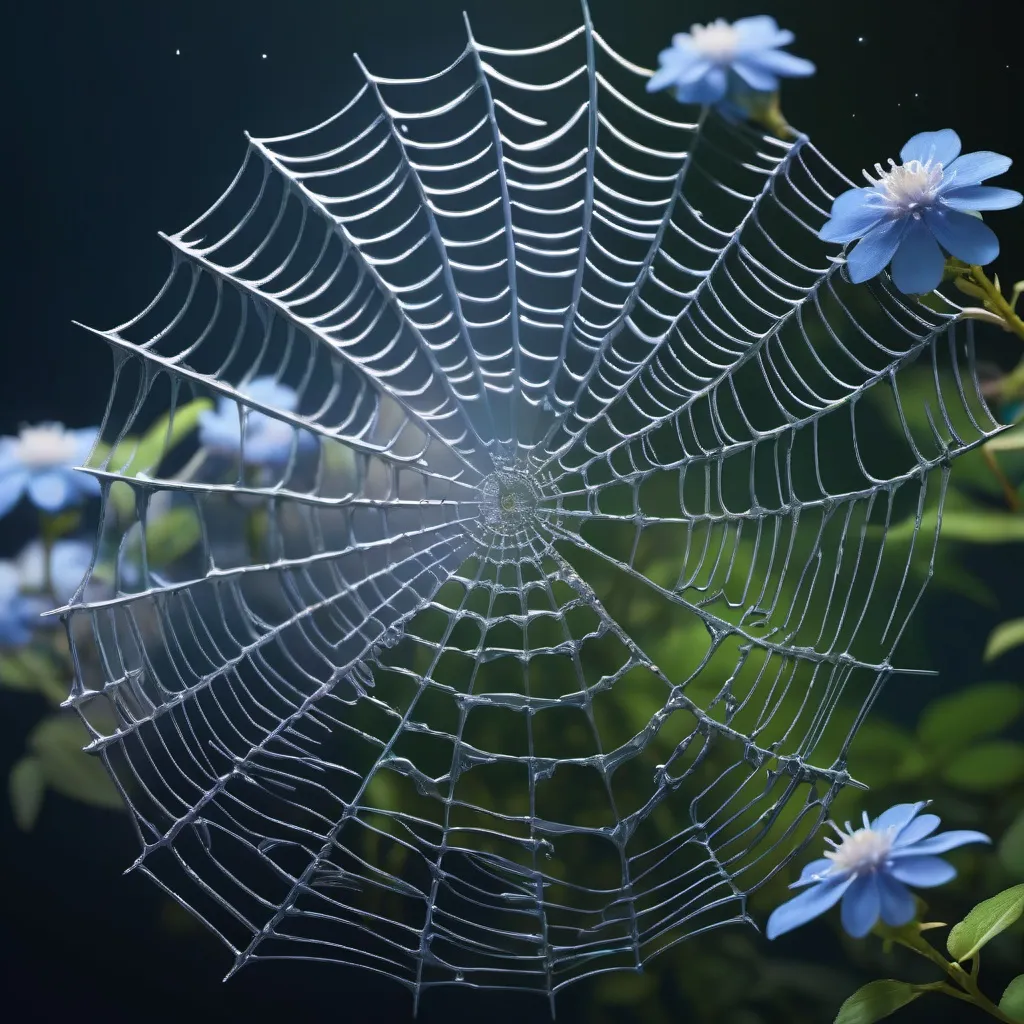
(807, 906)
(12, 487)
(220, 430)
(776, 62)
(754, 75)
(918, 264)
(760, 30)
(940, 844)
(816, 867)
(973, 168)
(981, 197)
(898, 816)
(854, 213)
(967, 238)
(861, 906)
(922, 871)
(85, 438)
(940, 147)
(897, 902)
(872, 253)
(710, 89)
(84, 484)
(50, 491)
(678, 66)
(923, 825)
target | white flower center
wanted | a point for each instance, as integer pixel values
(862, 850)
(906, 188)
(717, 41)
(45, 445)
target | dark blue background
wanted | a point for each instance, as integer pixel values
(110, 136)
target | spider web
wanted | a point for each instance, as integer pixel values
(549, 651)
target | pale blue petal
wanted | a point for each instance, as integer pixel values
(776, 62)
(7, 448)
(963, 236)
(854, 213)
(897, 903)
(12, 486)
(710, 89)
(922, 871)
(220, 430)
(923, 825)
(756, 77)
(981, 197)
(816, 867)
(69, 562)
(84, 485)
(807, 906)
(940, 147)
(680, 69)
(898, 816)
(974, 168)
(661, 79)
(270, 392)
(940, 844)
(870, 256)
(861, 906)
(50, 491)
(693, 72)
(85, 438)
(918, 264)
(759, 27)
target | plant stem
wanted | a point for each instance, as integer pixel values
(996, 302)
(968, 987)
(1008, 490)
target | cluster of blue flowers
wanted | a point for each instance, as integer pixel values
(909, 216)
(41, 463)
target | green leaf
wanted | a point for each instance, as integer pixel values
(133, 456)
(1011, 440)
(1011, 847)
(950, 723)
(26, 785)
(877, 999)
(171, 535)
(1012, 1003)
(978, 526)
(968, 288)
(986, 767)
(57, 742)
(985, 922)
(31, 670)
(1003, 638)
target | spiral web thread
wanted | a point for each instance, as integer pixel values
(573, 365)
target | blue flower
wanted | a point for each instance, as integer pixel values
(700, 63)
(932, 198)
(18, 613)
(41, 462)
(870, 869)
(69, 562)
(268, 441)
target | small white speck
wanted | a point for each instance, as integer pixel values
(862, 39)
(264, 56)
(916, 94)
(177, 53)
(405, 129)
